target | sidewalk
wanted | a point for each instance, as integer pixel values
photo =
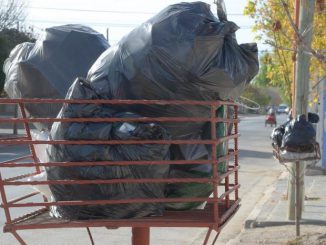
(268, 223)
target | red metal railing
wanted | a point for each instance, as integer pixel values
(220, 206)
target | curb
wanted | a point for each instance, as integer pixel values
(251, 221)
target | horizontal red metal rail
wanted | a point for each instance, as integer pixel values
(120, 201)
(120, 102)
(112, 119)
(231, 210)
(23, 176)
(116, 163)
(106, 181)
(118, 142)
(23, 197)
(17, 159)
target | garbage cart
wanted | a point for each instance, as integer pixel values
(217, 208)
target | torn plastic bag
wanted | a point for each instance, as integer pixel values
(40, 151)
(47, 68)
(105, 131)
(196, 152)
(299, 136)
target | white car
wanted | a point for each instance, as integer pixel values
(282, 109)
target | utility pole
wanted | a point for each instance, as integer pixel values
(302, 76)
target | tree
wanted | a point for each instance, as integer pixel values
(274, 24)
(262, 80)
(256, 94)
(12, 12)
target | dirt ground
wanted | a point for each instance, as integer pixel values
(283, 235)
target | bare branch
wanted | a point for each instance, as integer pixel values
(300, 38)
(11, 12)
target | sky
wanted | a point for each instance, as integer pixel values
(121, 16)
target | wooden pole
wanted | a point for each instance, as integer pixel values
(294, 57)
(302, 75)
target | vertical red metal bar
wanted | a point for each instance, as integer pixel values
(4, 201)
(29, 136)
(140, 235)
(236, 157)
(19, 239)
(214, 163)
(227, 182)
(208, 234)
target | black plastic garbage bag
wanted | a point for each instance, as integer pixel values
(313, 117)
(182, 53)
(105, 131)
(196, 152)
(47, 68)
(299, 136)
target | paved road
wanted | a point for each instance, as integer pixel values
(258, 171)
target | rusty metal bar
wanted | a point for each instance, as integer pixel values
(227, 193)
(11, 164)
(226, 181)
(119, 201)
(140, 236)
(19, 177)
(236, 156)
(16, 159)
(120, 102)
(117, 142)
(208, 234)
(110, 181)
(230, 211)
(24, 217)
(112, 119)
(23, 197)
(4, 200)
(215, 165)
(144, 222)
(29, 136)
(18, 237)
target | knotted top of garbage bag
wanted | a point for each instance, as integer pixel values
(183, 52)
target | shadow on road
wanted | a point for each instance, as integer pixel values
(255, 154)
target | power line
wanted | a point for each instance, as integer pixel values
(107, 24)
(105, 11)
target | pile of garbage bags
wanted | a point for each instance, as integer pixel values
(47, 68)
(182, 53)
(296, 137)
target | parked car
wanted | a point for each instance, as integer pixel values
(282, 108)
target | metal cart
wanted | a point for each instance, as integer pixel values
(220, 207)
